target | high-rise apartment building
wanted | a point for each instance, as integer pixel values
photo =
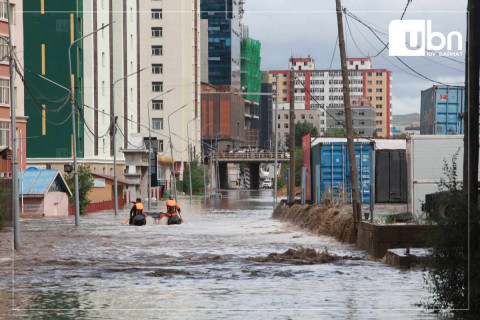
(323, 89)
(169, 49)
(223, 41)
(6, 131)
(100, 60)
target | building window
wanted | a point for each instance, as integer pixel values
(157, 32)
(3, 49)
(361, 113)
(285, 116)
(4, 133)
(157, 14)
(361, 131)
(284, 99)
(103, 88)
(157, 123)
(103, 59)
(3, 9)
(369, 90)
(362, 63)
(157, 104)
(278, 117)
(322, 122)
(379, 114)
(378, 90)
(369, 74)
(157, 86)
(278, 126)
(284, 83)
(362, 123)
(302, 116)
(378, 122)
(379, 82)
(379, 74)
(285, 125)
(4, 91)
(157, 50)
(310, 116)
(379, 106)
(379, 130)
(157, 68)
(369, 82)
(379, 98)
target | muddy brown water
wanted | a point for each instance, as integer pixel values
(200, 270)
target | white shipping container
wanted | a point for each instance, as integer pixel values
(425, 166)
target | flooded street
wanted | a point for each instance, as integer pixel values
(105, 270)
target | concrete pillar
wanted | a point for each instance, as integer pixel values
(223, 168)
(254, 175)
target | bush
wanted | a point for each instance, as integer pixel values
(197, 179)
(85, 184)
(448, 272)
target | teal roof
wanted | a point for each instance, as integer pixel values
(38, 182)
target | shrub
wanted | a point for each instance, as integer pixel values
(85, 184)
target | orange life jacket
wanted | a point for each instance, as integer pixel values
(139, 208)
(172, 207)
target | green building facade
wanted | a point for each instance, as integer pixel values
(251, 76)
(49, 29)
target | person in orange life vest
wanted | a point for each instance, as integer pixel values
(172, 208)
(136, 210)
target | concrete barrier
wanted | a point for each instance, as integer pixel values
(377, 239)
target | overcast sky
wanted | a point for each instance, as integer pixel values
(303, 27)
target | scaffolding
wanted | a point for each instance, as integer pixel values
(251, 75)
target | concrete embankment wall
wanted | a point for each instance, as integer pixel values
(319, 220)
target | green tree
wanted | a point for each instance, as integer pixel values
(85, 184)
(197, 179)
(338, 132)
(448, 264)
(303, 128)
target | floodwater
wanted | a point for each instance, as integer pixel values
(105, 270)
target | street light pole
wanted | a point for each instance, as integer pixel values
(171, 150)
(190, 160)
(203, 157)
(114, 132)
(150, 149)
(275, 174)
(74, 134)
(13, 116)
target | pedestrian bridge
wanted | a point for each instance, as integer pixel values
(251, 159)
(247, 157)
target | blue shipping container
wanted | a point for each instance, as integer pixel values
(334, 175)
(442, 110)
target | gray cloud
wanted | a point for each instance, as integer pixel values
(305, 27)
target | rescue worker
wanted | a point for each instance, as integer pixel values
(172, 214)
(137, 217)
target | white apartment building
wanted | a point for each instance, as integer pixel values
(110, 55)
(169, 46)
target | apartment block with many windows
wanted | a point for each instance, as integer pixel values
(323, 89)
(169, 49)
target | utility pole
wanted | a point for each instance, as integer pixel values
(13, 116)
(275, 175)
(357, 208)
(473, 63)
(291, 177)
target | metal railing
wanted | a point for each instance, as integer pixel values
(251, 155)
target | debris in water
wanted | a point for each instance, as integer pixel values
(168, 272)
(303, 256)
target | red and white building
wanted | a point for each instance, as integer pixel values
(323, 89)
(5, 99)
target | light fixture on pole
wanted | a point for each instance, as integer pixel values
(150, 149)
(171, 150)
(275, 173)
(74, 134)
(114, 131)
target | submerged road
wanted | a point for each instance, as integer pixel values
(105, 270)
